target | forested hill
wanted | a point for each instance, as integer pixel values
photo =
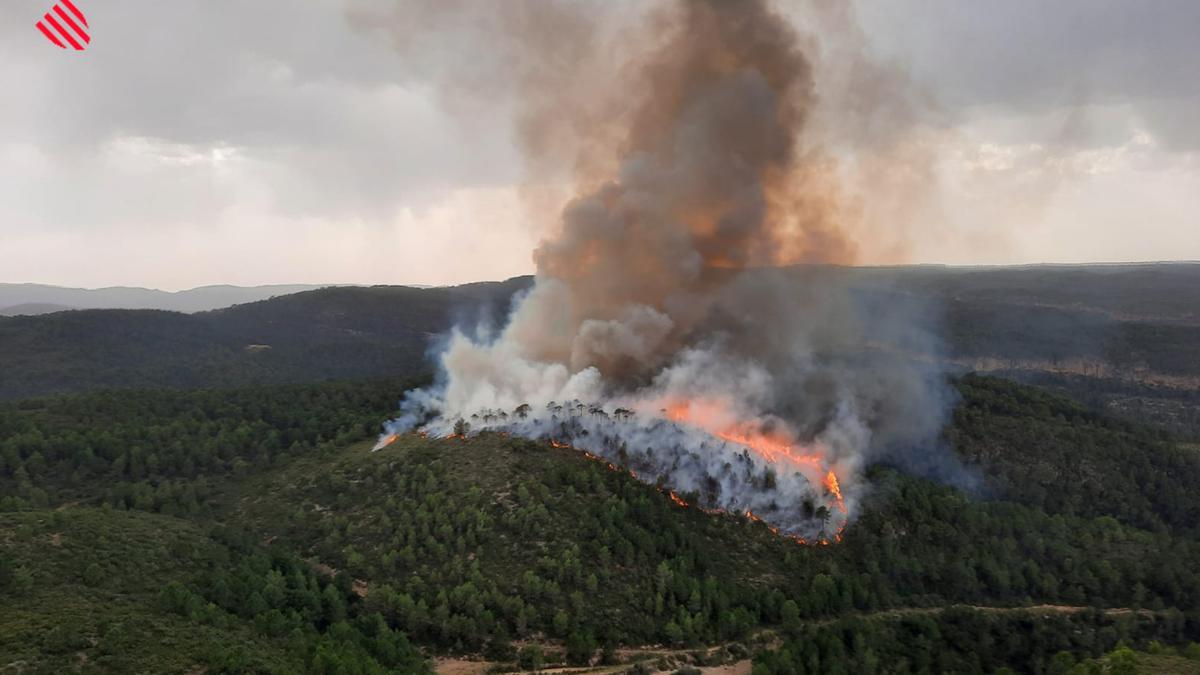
(330, 333)
(1148, 292)
(253, 530)
(1125, 338)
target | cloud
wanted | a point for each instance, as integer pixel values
(183, 117)
(1028, 57)
(194, 133)
(331, 118)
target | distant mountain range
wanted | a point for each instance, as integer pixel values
(33, 309)
(33, 299)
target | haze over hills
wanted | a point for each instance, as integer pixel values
(33, 309)
(1150, 291)
(41, 298)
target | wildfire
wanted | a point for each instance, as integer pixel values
(771, 447)
(831, 484)
(386, 441)
(595, 458)
(753, 517)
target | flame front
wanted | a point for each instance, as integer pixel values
(764, 474)
(770, 446)
(683, 503)
(774, 447)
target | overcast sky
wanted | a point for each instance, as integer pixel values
(213, 141)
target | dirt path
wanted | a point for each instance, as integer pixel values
(445, 666)
(768, 638)
(739, 668)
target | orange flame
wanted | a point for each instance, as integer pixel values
(391, 438)
(773, 447)
(770, 447)
(831, 484)
(754, 518)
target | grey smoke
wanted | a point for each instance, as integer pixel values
(661, 294)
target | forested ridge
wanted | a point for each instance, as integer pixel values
(331, 333)
(267, 537)
(1124, 338)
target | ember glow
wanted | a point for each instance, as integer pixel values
(748, 514)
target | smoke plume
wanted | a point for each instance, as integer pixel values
(665, 330)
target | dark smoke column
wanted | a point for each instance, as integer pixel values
(709, 181)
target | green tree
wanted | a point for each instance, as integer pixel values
(581, 647)
(531, 658)
(1061, 663)
(562, 622)
(1122, 661)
